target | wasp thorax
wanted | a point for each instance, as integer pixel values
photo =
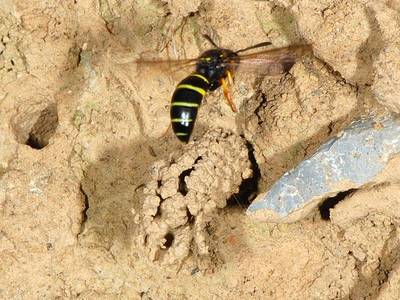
(214, 65)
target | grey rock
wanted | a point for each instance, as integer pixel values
(349, 160)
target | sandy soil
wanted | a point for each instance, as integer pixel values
(99, 200)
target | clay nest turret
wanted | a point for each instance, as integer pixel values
(184, 194)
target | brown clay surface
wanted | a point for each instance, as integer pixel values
(96, 201)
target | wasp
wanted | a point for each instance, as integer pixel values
(215, 68)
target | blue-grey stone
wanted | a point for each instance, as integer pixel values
(349, 160)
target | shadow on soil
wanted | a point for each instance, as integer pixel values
(113, 186)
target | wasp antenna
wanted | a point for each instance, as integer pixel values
(254, 46)
(208, 38)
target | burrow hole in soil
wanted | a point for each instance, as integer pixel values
(169, 239)
(249, 187)
(331, 202)
(44, 128)
(182, 188)
(36, 129)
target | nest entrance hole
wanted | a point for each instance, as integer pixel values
(169, 240)
(182, 188)
(248, 189)
(36, 129)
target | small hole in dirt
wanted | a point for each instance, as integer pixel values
(194, 271)
(209, 229)
(324, 208)
(197, 160)
(44, 128)
(79, 56)
(249, 187)
(158, 212)
(182, 187)
(169, 239)
(261, 106)
(33, 142)
(190, 217)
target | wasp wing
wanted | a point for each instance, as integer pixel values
(271, 62)
(148, 65)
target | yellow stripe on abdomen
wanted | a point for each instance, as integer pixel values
(181, 134)
(192, 87)
(184, 104)
(178, 120)
(201, 77)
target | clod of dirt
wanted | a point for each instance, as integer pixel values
(344, 34)
(296, 114)
(358, 39)
(369, 220)
(387, 68)
(183, 195)
(386, 86)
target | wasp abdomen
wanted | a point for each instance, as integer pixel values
(185, 103)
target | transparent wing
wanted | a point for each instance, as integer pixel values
(148, 65)
(271, 62)
(293, 50)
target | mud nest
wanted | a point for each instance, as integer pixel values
(183, 195)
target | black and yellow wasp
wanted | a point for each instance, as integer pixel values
(215, 68)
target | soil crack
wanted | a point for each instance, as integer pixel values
(85, 208)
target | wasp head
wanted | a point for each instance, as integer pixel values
(215, 64)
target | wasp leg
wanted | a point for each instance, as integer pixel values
(228, 94)
(230, 78)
